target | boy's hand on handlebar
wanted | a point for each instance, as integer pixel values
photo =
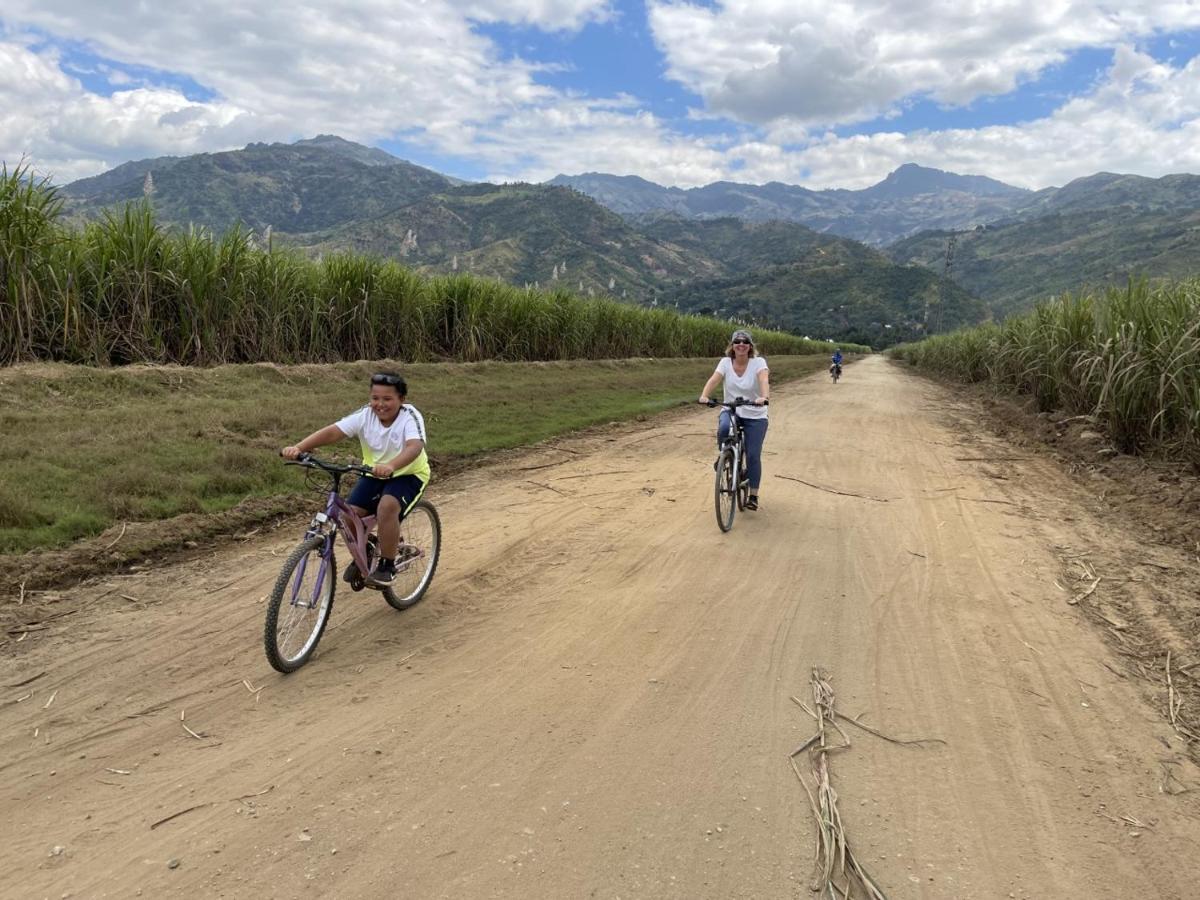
(291, 452)
(383, 470)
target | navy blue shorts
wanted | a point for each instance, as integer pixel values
(369, 491)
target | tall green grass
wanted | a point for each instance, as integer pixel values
(1130, 357)
(126, 289)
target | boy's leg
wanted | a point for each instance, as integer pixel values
(387, 523)
(398, 498)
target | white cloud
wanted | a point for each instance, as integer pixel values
(67, 132)
(574, 136)
(834, 61)
(547, 14)
(372, 70)
(1143, 118)
(364, 70)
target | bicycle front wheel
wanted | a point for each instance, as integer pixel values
(725, 489)
(299, 606)
(418, 557)
(743, 484)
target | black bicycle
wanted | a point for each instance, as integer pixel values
(731, 488)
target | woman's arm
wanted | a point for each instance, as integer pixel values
(710, 385)
(330, 434)
(764, 384)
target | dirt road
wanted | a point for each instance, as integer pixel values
(595, 698)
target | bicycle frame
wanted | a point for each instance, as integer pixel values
(338, 516)
(737, 439)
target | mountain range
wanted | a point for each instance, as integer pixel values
(863, 264)
(911, 199)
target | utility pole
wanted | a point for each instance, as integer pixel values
(939, 303)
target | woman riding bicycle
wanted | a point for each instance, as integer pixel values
(745, 375)
(392, 436)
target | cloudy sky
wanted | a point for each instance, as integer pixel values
(823, 93)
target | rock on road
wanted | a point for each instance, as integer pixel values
(595, 698)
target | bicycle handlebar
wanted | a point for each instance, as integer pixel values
(311, 462)
(734, 404)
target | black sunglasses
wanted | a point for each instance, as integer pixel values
(385, 378)
(740, 341)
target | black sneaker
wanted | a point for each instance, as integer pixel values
(384, 574)
(351, 573)
(752, 504)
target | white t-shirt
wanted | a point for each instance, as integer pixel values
(744, 385)
(381, 442)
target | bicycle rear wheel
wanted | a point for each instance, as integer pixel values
(725, 489)
(299, 606)
(418, 557)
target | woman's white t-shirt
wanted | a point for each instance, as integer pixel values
(380, 442)
(744, 385)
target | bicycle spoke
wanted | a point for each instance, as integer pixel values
(299, 605)
(417, 557)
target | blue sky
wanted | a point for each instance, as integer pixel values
(1031, 92)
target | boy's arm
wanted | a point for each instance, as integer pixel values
(330, 434)
(412, 449)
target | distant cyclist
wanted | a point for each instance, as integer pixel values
(392, 436)
(835, 367)
(745, 375)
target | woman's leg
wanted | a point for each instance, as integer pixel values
(756, 433)
(723, 427)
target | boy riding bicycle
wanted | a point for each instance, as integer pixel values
(391, 434)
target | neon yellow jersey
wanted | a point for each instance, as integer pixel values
(380, 442)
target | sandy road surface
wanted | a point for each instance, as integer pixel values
(594, 700)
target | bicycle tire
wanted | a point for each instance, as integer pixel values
(424, 527)
(278, 655)
(724, 490)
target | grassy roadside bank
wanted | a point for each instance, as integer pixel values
(87, 454)
(1128, 359)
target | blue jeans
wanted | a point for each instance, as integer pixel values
(756, 433)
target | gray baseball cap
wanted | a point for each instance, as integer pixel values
(742, 334)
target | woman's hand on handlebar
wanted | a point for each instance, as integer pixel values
(762, 401)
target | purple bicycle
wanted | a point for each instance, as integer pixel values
(302, 598)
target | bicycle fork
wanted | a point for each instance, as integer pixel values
(322, 573)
